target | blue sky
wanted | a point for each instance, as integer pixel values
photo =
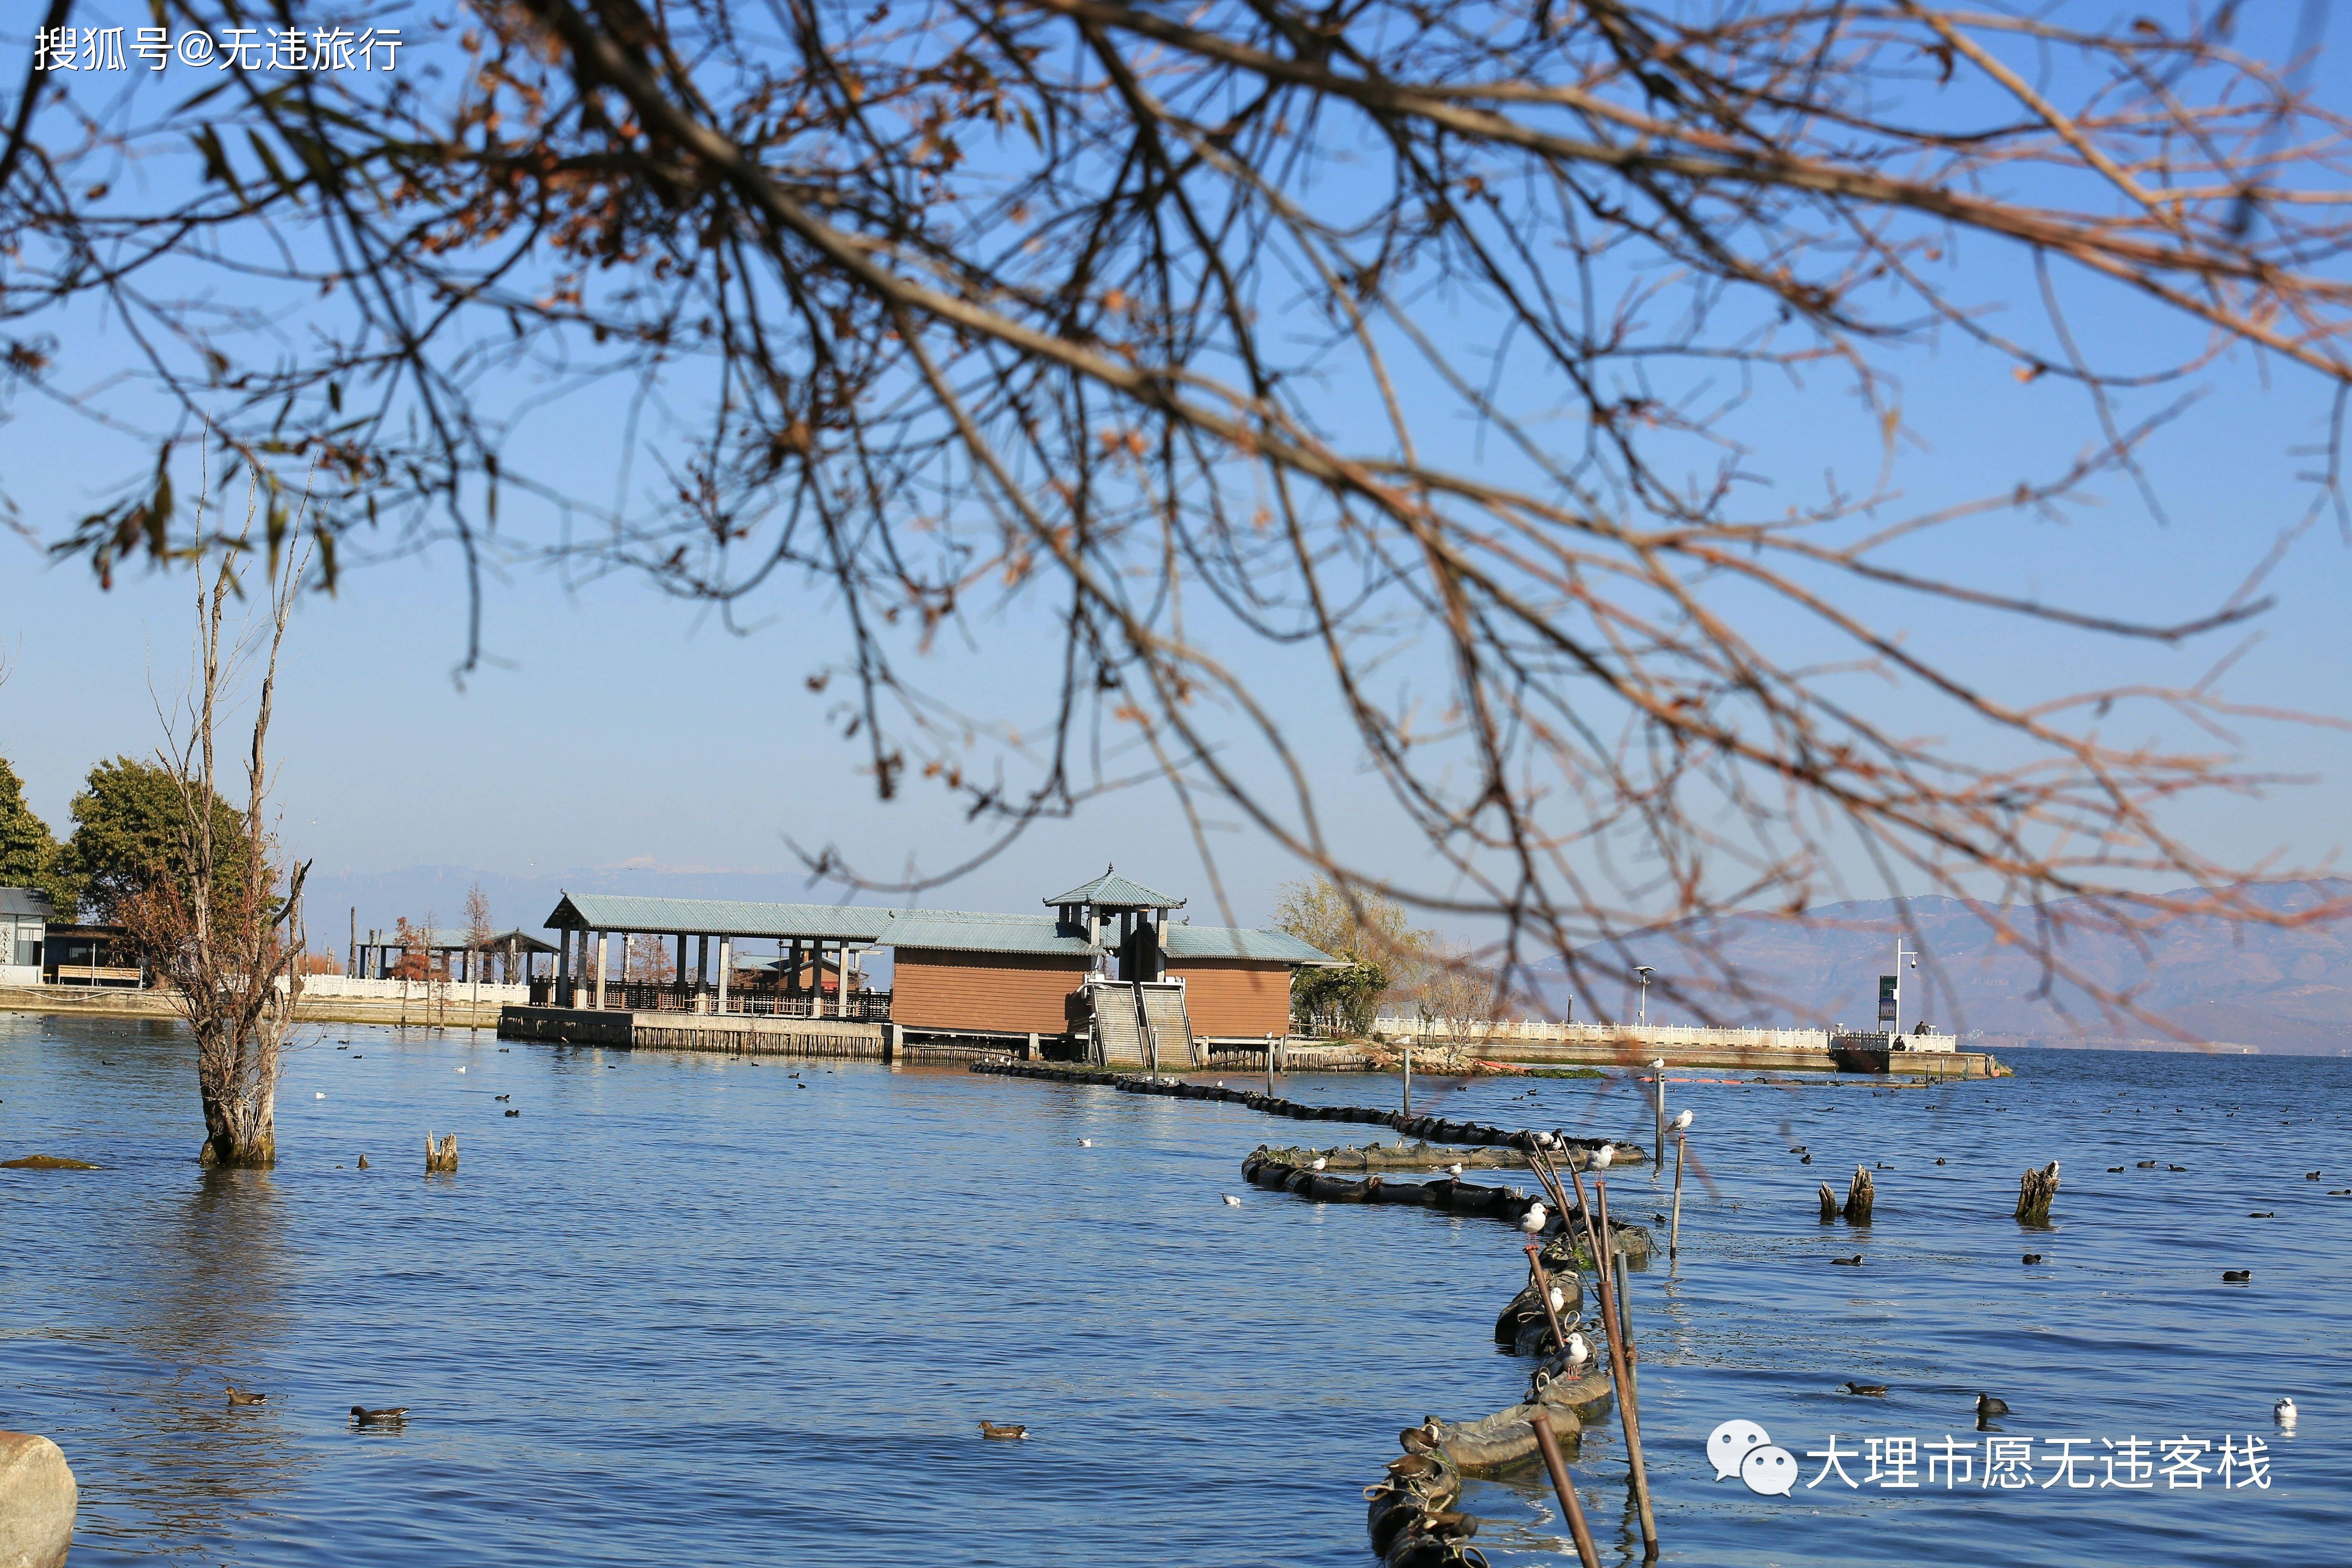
(616, 726)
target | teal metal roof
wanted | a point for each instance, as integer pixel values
(957, 930)
(457, 939)
(1224, 941)
(27, 903)
(1111, 890)
(943, 930)
(730, 917)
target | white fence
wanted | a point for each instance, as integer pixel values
(441, 992)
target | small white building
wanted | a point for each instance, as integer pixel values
(25, 917)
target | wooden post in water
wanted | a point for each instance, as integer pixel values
(1828, 1205)
(1585, 1550)
(1859, 1196)
(1408, 1081)
(2034, 1191)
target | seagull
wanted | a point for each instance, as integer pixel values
(390, 1415)
(1318, 1163)
(1086, 1142)
(1454, 1170)
(1535, 1220)
(1577, 1347)
(1602, 1156)
(1004, 1434)
(321, 1094)
(2283, 1413)
(1559, 1297)
(1682, 1123)
(1231, 1200)
(461, 1069)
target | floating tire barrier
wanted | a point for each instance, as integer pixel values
(1262, 1168)
(1410, 1513)
(1428, 1129)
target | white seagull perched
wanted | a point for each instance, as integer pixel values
(1535, 1220)
(1602, 1156)
(1454, 1170)
(1682, 1123)
(1559, 1297)
(2284, 1411)
(1231, 1200)
(1577, 1349)
(1319, 1164)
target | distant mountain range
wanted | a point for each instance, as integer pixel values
(2224, 985)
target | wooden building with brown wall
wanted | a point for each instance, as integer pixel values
(960, 972)
(1237, 982)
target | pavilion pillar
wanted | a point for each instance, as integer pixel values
(680, 977)
(725, 964)
(701, 961)
(604, 962)
(562, 997)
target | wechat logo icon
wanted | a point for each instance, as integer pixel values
(1743, 1449)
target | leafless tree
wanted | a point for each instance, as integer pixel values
(1412, 344)
(478, 931)
(216, 924)
(646, 959)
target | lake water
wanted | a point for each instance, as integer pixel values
(687, 1311)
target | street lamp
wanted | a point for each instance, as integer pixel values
(1642, 971)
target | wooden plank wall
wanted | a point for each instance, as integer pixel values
(1004, 992)
(1235, 997)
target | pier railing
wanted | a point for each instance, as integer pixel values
(644, 996)
(1500, 1032)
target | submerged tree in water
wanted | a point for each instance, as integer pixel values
(218, 924)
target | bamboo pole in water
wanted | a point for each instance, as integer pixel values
(1620, 1364)
(1585, 1550)
(1675, 1231)
(1543, 1294)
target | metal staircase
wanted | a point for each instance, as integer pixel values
(1140, 1026)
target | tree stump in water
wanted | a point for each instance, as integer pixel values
(2034, 1191)
(442, 1156)
(1829, 1204)
(1859, 1196)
